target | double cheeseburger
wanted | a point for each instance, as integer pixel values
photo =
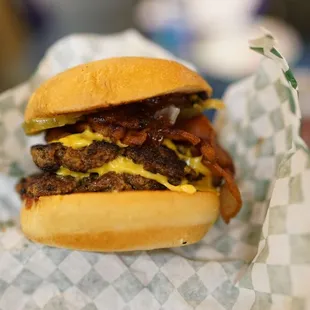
(130, 162)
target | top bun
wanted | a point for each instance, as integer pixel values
(112, 82)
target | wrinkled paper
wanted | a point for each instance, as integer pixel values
(260, 261)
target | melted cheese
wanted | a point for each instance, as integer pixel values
(204, 185)
(216, 104)
(209, 103)
(170, 145)
(197, 165)
(212, 104)
(63, 171)
(125, 165)
(85, 138)
(193, 162)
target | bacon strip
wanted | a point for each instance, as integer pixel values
(199, 126)
(180, 135)
(230, 198)
(219, 162)
(134, 137)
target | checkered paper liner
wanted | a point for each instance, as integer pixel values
(261, 260)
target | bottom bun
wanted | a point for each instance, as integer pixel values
(125, 221)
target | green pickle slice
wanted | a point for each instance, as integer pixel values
(39, 124)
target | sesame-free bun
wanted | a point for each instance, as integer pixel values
(111, 82)
(125, 221)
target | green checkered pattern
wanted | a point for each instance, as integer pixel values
(261, 260)
(268, 136)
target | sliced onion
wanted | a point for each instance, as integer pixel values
(171, 113)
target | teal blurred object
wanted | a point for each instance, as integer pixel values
(174, 37)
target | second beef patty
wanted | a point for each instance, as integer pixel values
(156, 159)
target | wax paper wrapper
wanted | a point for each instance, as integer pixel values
(261, 260)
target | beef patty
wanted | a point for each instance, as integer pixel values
(156, 159)
(50, 157)
(46, 184)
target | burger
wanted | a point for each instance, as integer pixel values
(130, 161)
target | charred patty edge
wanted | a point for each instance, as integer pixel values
(47, 184)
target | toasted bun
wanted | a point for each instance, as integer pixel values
(109, 222)
(112, 82)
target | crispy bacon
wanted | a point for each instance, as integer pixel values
(134, 137)
(121, 118)
(116, 133)
(208, 151)
(61, 132)
(180, 135)
(230, 198)
(55, 134)
(224, 159)
(103, 129)
(119, 133)
(201, 127)
(219, 162)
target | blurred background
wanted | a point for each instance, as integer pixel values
(212, 34)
